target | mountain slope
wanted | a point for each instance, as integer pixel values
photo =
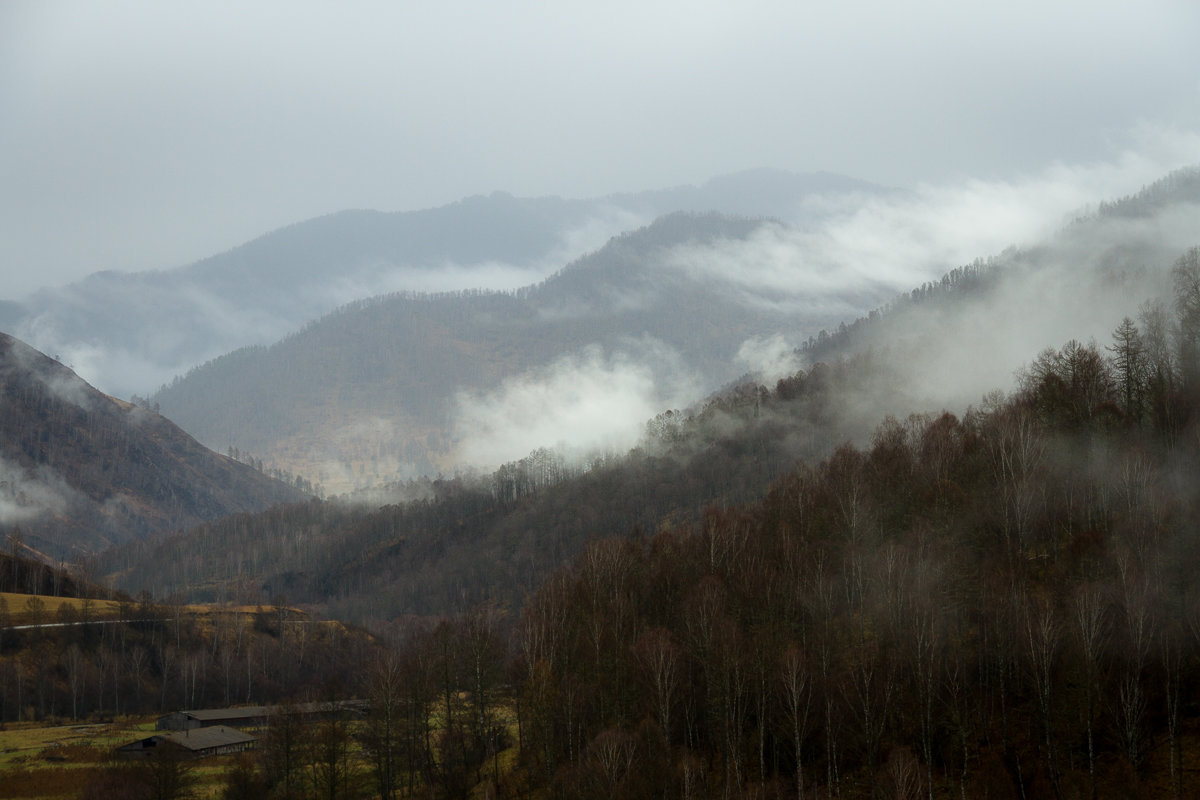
(1009, 594)
(970, 331)
(379, 386)
(132, 332)
(80, 471)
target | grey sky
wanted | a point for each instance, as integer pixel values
(148, 134)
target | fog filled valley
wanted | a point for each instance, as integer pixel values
(779, 486)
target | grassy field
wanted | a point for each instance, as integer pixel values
(53, 762)
(24, 744)
(39, 761)
(48, 763)
(20, 612)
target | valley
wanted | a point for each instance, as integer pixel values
(945, 544)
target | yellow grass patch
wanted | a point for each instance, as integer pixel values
(19, 612)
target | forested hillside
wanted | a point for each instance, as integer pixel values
(494, 537)
(998, 605)
(1089, 270)
(80, 471)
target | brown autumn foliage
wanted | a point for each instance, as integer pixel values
(1003, 603)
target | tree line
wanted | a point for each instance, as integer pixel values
(157, 657)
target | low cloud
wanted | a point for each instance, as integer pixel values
(953, 355)
(29, 494)
(127, 334)
(861, 257)
(489, 274)
(769, 358)
(1061, 280)
(65, 386)
(867, 249)
(592, 401)
(860, 253)
(1078, 284)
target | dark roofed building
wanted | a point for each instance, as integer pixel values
(255, 716)
(241, 717)
(216, 740)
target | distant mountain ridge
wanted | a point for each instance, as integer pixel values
(372, 387)
(130, 332)
(80, 471)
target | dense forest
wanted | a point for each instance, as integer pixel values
(1002, 605)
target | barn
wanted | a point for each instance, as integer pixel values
(216, 740)
(239, 717)
(256, 716)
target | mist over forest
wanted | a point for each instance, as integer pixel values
(860, 502)
(410, 385)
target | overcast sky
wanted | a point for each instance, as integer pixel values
(149, 134)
